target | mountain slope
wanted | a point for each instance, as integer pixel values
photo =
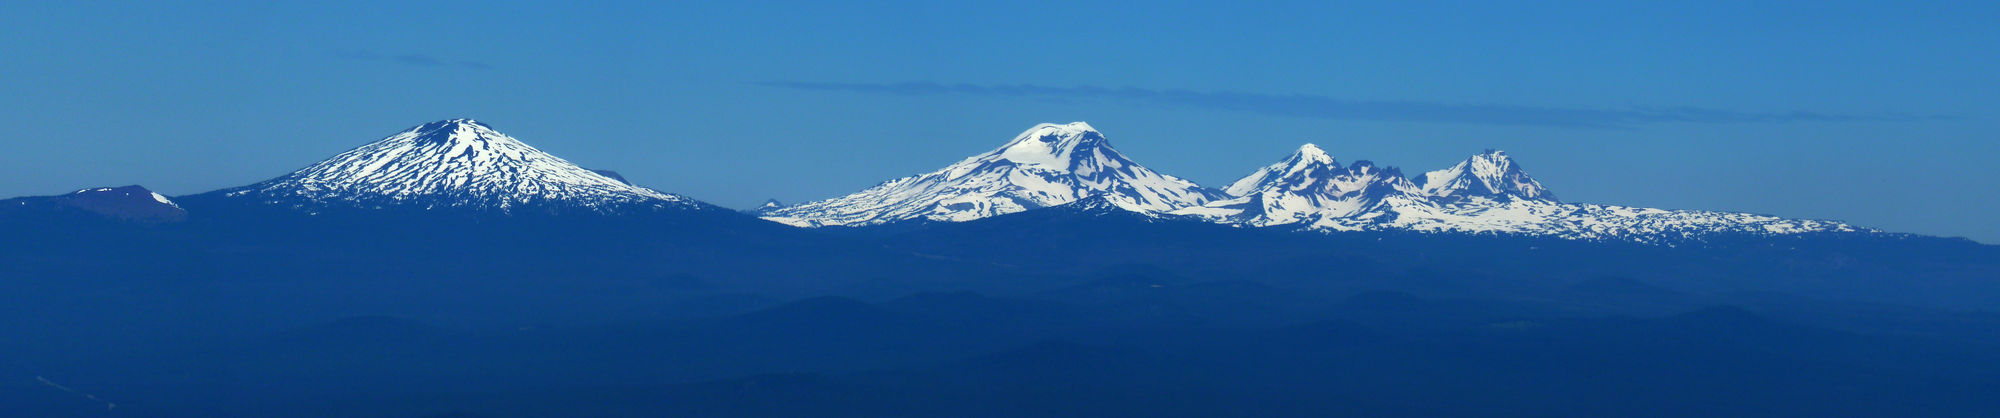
(1047, 165)
(127, 203)
(452, 164)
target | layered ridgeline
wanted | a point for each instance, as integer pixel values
(1487, 193)
(458, 165)
(1048, 165)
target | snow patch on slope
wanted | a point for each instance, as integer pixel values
(164, 200)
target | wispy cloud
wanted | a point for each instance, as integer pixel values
(413, 60)
(1324, 107)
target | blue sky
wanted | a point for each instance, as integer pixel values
(1878, 113)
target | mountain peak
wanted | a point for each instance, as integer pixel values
(1310, 152)
(1047, 165)
(765, 208)
(455, 130)
(452, 123)
(453, 163)
(1077, 127)
(1308, 160)
(1489, 174)
(1052, 145)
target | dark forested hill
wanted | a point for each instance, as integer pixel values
(242, 310)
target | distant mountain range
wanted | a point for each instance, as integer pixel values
(461, 165)
(1053, 165)
(449, 270)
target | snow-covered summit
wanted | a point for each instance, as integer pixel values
(455, 163)
(1047, 165)
(1309, 157)
(1489, 174)
(1054, 147)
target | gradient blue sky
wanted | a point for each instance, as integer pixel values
(1878, 113)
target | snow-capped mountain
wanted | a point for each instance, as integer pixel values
(1487, 193)
(1488, 174)
(1047, 165)
(1310, 184)
(1309, 157)
(453, 164)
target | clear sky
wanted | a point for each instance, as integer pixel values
(1878, 113)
